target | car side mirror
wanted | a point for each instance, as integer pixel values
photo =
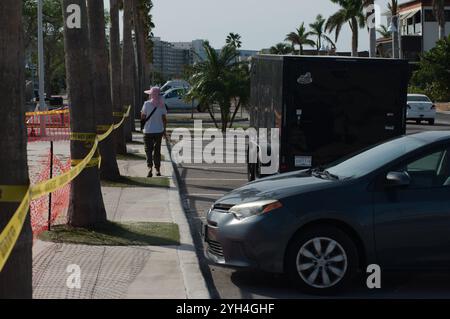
(398, 179)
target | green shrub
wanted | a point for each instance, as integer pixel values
(433, 76)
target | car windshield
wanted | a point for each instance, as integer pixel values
(374, 158)
(418, 99)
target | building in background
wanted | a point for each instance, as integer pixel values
(246, 55)
(418, 28)
(171, 58)
(198, 53)
(168, 60)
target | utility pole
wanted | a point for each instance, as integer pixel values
(42, 106)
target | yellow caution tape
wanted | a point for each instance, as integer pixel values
(59, 181)
(103, 128)
(123, 114)
(83, 137)
(105, 135)
(116, 126)
(12, 193)
(92, 163)
(47, 112)
(10, 234)
(24, 195)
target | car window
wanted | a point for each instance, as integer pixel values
(171, 94)
(418, 99)
(431, 170)
(374, 158)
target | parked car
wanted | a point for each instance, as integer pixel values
(174, 84)
(388, 205)
(52, 102)
(420, 108)
(174, 99)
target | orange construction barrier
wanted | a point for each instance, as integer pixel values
(48, 126)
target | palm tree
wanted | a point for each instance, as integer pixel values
(351, 12)
(128, 66)
(318, 30)
(384, 31)
(300, 37)
(234, 39)
(86, 206)
(116, 77)
(439, 13)
(15, 278)
(102, 89)
(219, 79)
(393, 8)
(281, 49)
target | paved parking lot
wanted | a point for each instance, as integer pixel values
(203, 184)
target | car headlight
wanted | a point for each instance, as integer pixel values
(242, 211)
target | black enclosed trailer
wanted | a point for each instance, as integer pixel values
(326, 107)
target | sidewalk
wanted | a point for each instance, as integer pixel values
(126, 272)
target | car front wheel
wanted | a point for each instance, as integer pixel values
(322, 260)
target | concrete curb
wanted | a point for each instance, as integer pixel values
(195, 284)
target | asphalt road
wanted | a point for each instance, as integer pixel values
(202, 184)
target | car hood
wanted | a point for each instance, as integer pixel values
(276, 187)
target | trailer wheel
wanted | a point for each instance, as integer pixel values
(251, 172)
(258, 169)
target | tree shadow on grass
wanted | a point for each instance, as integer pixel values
(116, 234)
(133, 181)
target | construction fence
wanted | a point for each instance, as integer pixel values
(47, 197)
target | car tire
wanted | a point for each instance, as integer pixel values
(431, 122)
(418, 122)
(327, 272)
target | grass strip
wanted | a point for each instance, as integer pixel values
(133, 181)
(116, 234)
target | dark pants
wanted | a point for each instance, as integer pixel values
(153, 149)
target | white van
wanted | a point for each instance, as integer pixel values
(174, 84)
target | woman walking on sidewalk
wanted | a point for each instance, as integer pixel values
(154, 115)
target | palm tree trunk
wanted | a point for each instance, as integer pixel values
(354, 27)
(128, 66)
(395, 53)
(116, 77)
(370, 20)
(86, 206)
(102, 91)
(373, 42)
(15, 278)
(442, 31)
(140, 56)
(300, 51)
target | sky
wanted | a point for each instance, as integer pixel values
(261, 23)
